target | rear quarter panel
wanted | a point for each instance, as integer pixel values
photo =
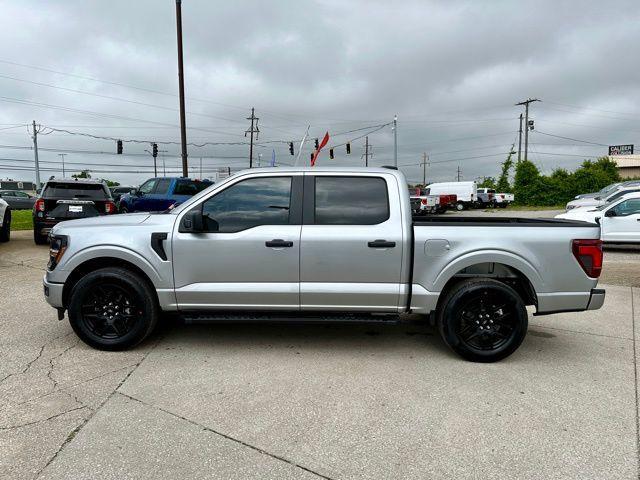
(542, 253)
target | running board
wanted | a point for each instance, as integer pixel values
(293, 317)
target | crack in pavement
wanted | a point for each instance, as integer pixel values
(77, 430)
(34, 422)
(228, 437)
(37, 357)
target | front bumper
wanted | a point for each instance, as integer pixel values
(53, 293)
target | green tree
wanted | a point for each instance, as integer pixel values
(82, 174)
(503, 180)
(488, 182)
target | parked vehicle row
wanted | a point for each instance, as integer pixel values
(323, 244)
(619, 219)
(612, 193)
(438, 197)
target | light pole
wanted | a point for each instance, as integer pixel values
(62, 156)
(395, 141)
(183, 127)
(155, 170)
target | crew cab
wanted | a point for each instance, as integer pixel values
(323, 244)
(69, 198)
(158, 194)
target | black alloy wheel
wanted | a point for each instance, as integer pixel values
(113, 309)
(483, 320)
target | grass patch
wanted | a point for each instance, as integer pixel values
(21, 220)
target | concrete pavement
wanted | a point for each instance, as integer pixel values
(338, 401)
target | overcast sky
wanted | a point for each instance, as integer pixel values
(450, 70)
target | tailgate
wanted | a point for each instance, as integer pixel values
(70, 209)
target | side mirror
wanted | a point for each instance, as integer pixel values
(611, 213)
(192, 222)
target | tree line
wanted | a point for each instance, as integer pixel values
(533, 188)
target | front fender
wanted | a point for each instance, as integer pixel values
(109, 251)
(490, 256)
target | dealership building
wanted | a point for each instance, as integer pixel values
(628, 163)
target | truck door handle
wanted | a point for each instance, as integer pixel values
(381, 244)
(278, 243)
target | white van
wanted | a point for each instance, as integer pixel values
(465, 191)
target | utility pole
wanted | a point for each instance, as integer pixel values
(526, 122)
(183, 127)
(62, 155)
(252, 131)
(367, 151)
(35, 152)
(425, 159)
(459, 173)
(395, 140)
(520, 139)
(200, 168)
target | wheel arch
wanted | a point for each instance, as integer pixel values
(508, 268)
(97, 263)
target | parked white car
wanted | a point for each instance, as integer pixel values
(5, 221)
(619, 220)
(465, 191)
(598, 201)
(609, 189)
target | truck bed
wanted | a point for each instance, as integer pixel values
(498, 222)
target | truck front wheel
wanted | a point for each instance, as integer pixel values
(459, 206)
(482, 320)
(112, 309)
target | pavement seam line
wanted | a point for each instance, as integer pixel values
(77, 430)
(228, 437)
(635, 376)
(582, 333)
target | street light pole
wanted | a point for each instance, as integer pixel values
(183, 128)
(62, 156)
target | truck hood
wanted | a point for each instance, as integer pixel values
(115, 221)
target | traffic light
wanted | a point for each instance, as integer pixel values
(291, 148)
(119, 147)
(530, 124)
(331, 153)
(154, 148)
(317, 144)
(348, 148)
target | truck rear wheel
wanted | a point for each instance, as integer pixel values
(483, 320)
(112, 309)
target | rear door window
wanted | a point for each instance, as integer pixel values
(351, 200)
(162, 187)
(189, 187)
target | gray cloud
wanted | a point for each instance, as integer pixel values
(450, 70)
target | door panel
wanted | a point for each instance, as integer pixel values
(250, 258)
(237, 270)
(339, 270)
(625, 226)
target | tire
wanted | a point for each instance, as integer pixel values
(124, 210)
(113, 309)
(503, 205)
(38, 238)
(459, 206)
(472, 326)
(5, 227)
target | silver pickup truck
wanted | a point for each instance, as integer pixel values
(319, 244)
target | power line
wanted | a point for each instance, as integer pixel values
(569, 138)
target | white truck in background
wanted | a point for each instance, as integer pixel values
(465, 191)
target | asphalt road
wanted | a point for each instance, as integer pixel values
(340, 401)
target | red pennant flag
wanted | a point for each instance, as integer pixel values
(324, 141)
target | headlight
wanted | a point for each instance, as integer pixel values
(58, 246)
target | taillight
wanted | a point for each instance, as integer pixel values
(110, 207)
(423, 201)
(39, 205)
(588, 253)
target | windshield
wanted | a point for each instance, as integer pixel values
(608, 188)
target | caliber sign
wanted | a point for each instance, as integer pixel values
(620, 149)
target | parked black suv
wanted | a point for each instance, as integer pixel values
(67, 199)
